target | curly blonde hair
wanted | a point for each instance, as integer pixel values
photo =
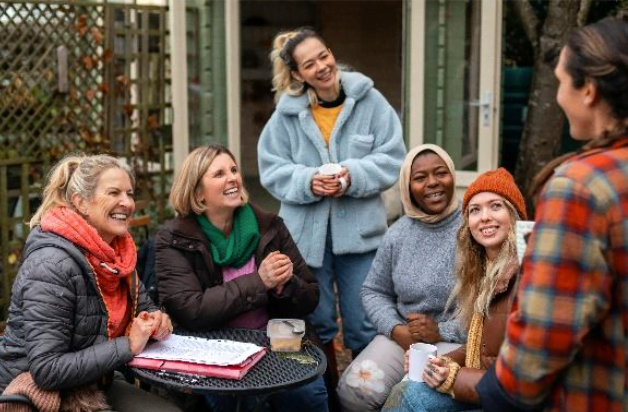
(476, 278)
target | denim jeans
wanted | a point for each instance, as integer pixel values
(411, 396)
(308, 398)
(349, 272)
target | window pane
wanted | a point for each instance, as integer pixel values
(452, 55)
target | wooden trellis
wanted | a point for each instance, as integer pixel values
(78, 76)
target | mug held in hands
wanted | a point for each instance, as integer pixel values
(332, 169)
(419, 354)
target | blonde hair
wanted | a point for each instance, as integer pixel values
(76, 174)
(184, 195)
(475, 278)
(282, 60)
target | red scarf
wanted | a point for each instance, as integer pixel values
(111, 263)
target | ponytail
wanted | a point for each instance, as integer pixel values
(283, 63)
(76, 174)
(283, 82)
(56, 191)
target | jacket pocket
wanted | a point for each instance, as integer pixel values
(360, 145)
(372, 218)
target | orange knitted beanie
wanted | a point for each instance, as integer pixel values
(497, 181)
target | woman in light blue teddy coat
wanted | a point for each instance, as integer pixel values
(338, 221)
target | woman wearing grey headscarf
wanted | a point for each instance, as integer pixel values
(410, 280)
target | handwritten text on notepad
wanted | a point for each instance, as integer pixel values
(200, 350)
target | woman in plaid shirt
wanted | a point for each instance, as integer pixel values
(566, 346)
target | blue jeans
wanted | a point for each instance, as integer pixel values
(411, 396)
(349, 271)
(308, 398)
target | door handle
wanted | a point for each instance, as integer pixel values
(485, 107)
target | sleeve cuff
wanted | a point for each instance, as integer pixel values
(123, 348)
(308, 195)
(387, 327)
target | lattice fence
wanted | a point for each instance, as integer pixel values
(78, 76)
(51, 96)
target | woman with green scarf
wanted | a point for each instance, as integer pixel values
(223, 262)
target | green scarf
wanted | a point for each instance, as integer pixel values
(237, 249)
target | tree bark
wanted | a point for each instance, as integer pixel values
(529, 21)
(585, 6)
(541, 138)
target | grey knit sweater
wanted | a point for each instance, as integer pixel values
(413, 271)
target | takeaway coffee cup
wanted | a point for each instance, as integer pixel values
(329, 169)
(419, 354)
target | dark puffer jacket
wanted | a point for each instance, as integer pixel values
(57, 326)
(191, 287)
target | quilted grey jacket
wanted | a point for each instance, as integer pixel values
(57, 326)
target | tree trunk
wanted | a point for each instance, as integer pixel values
(540, 141)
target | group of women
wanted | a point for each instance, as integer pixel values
(445, 272)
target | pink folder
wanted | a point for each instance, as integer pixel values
(216, 371)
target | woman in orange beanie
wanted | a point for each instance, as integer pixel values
(486, 271)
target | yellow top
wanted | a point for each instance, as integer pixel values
(325, 118)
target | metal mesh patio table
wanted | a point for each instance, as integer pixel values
(274, 373)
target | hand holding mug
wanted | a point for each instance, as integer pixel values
(331, 180)
(344, 178)
(406, 361)
(324, 185)
(436, 372)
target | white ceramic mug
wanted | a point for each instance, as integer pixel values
(332, 169)
(419, 354)
(329, 169)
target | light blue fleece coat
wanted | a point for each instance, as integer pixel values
(366, 139)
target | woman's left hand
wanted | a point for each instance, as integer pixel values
(163, 325)
(345, 176)
(435, 372)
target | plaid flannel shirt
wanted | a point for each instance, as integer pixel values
(567, 337)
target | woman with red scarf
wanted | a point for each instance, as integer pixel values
(78, 310)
